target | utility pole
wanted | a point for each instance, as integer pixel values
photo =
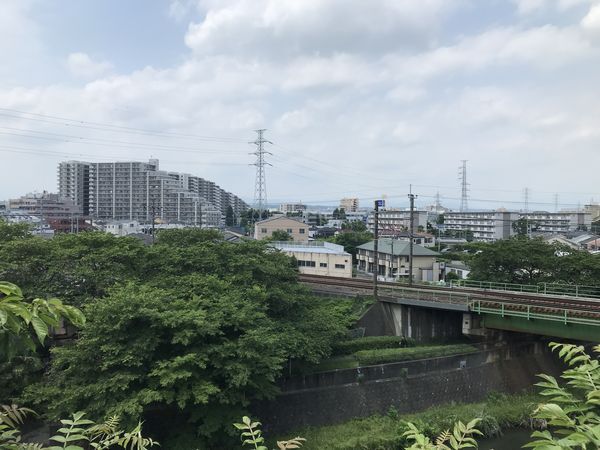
(411, 197)
(378, 203)
(526, 201)
(260, 183)
(153, 218)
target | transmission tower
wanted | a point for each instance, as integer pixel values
(462, 174)
(260, 184)
(526, 200)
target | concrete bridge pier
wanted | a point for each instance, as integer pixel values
(416, 322)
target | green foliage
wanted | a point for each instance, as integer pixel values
(74, 431)
(187, 236)
(461, 437)
(386, 432)
(371, 343)
(516, 260)
(251, 435)
(191, 333)
(356, 226)
(280, 235)
(573, 409)
(26, 324)
(388, 355)
(351, 240)
(13, 231)
(73, 267)
(229, 217)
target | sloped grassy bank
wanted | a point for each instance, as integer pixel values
(499, 412)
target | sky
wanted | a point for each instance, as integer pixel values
(360, 98)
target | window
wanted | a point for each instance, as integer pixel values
(263, 230)
(289, 230)
(302, 263)
(302, 230)
(340, 266)
(323, 265)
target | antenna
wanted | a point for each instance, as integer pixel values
(260, 183)
(462, 173)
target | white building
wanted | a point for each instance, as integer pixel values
(292, 208)
(485, 225)
(318, 257)
(397, 220)
(558, 222)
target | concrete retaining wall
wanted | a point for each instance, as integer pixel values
(338, 396)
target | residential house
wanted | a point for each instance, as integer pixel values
(296, 228)
(394, 259)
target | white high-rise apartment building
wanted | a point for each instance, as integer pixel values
(139, 191)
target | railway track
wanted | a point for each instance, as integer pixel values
(512, 300)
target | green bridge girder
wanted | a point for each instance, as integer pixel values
(554, 328)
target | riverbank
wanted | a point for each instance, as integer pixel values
(499, 412)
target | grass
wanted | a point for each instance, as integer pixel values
(499, 412)
(389, 355)
(371, 343)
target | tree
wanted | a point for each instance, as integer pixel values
(355, 225)
(336, 214)
(12, 231)
(516, 260)
(208, 330)
(351, 240)
(229, 217)
(280, 235)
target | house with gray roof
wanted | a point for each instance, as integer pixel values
(394, 258)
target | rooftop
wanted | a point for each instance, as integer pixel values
(309, 247)
(397, 248)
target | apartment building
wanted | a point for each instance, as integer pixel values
(292, 208)
(485, 225)
(493, 225)
(318, 257)
(45, 205)
(296, 228)
(73, 183)
(397, 220)
(558, 222)
(349, 204)
(135, 190)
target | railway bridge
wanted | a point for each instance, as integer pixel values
(429, 312)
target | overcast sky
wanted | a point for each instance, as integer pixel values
(360, 97)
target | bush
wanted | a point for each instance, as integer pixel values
(388, 355)
(371, 343)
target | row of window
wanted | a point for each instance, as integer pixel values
(302, 263)
(289, 230)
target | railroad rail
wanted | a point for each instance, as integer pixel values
(481, 301)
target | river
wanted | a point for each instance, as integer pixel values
(510, 440)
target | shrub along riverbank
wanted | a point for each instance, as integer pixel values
(385, 349)
(499, 412)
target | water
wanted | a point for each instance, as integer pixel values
(510, 440)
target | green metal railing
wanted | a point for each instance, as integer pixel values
(555, 289)
(529, 312)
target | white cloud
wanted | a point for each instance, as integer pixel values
(289, 28)
(591, 22)
(526, 7)
(81, 65)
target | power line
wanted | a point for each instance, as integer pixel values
(106, 126)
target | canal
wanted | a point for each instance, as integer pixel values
(510, 440)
